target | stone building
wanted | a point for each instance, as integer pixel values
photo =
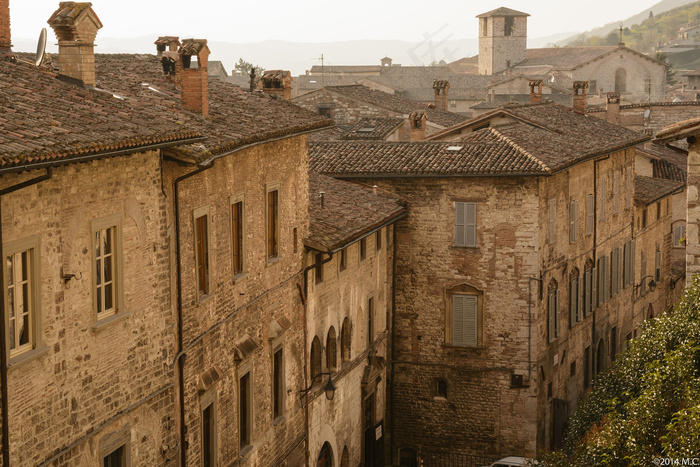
(647, 117)
(517, 276)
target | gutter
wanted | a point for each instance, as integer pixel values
(4, 350)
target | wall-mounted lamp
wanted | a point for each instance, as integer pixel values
(652, 284)
(329, 389)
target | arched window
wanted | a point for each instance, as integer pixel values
(620, 80)
(679, 236)
(315, 357)
(331, 350)
(345, 458)
(345, 341)
(325, 457)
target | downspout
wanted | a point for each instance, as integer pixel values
(181, 360)
(3, 330)
(529, 326)
(594, 305)
(303, 293)
(391, 339)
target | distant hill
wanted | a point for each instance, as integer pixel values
(603, 31)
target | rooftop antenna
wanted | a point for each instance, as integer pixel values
(621, 44)
(41, 48)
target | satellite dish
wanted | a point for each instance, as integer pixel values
(41, 48)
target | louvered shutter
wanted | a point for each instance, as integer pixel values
(552, 219)
(657, 269)
(603, 189)
(459, 224)
(556, 313)
(626, 266)
(470, 224)
(470, 321)
(629, 187)
(572, 222)
(616, 192)
(573, 301)
(607, 277)
(552, 314)
(590, 215)
(594, 286)
(632, 262)
(458, 320)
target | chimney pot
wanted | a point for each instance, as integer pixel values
(277, 83)
(580, 96)
(417, 122)
(535, 91)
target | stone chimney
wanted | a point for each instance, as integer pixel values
(277, 83)
(169, 43)
(194, 83)
(441, 87)
(535, 91)
(417, 122)
(386, 61)
(5, 32)
(166, 49)
(76, 25)
(612, 108)
(580, 96)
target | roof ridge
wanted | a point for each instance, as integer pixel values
(513, 144)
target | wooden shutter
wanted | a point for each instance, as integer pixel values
(587, 291)
(594, 284)
(603, 190)
(551, 314)
(573, 221)
(590, 215)
(626, 266)
(632, 262)
(657, 268)
(607, 277)
(629, 187)
(458, 320)
(556, 313)
(459, 224)
(470, 224)
(464, 320)
(573, 301)
(552, 219)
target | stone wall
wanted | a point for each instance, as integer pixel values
(89, 382)
(693, 218)
(661, 115)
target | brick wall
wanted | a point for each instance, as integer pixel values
(89, 379)
(5, 32)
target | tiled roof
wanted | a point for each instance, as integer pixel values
(349, 212)
(373, 128)
(648, 190)
(43, 119)
(502, 11)
(680, 130)
(68, 12)
(568, 57)
(333, 133)
(395, 103)
(486, 154)
(236, 116)
(503, 99)
(667, 162)
(330, 69)
(667, 170)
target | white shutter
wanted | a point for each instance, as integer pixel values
(470, 224)
(590, 215)
(459, 224)
(458, 319)
(470, 323)
(552, 219)
(616, 192)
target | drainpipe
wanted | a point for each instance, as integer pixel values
(393, 352)
(3, 330)
(529, 326)
(181, 360)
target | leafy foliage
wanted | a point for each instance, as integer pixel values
(243, 68)
(648, 404)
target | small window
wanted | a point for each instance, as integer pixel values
(315, 357)
(116, 458)
(679, 236)
(465, 224)
(278, 383)
(343, 262)
(106, 267)
(370, 322)
(508, 26)
(331, 350)
(553, 312)
(658, 210)
(201, 240)
(272, 224)
(209, 436)
(237, 237)
(378, 240)
(345, 340)
(319, 267)
(325, 111)
(245, 410)
(363, 248)
(441, 388)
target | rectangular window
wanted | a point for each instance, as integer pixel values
(465, 224)
(209, 436)
(586, 368)
(245, 414)
(277, 384)
(603, 192)
(658, 210)
(603, 279)
(553, 314)
(272, 224)
(628, 188)
(575, 311)
(343, 262)
(106, 235)
(573, 221)
(116, 458)
(679, 236)
(628, 264)
(20, 300)
(441, 388)
(657, 266)
(616, 192)
(644, 218)
(464, 320)
(552, 220)
(318, 257)
(379, 239)
(613, 343)
(363, 248)
(590, 215)
(201, 239)
(237, 236)
(370, 322)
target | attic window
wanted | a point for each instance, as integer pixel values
(454, 148)
(367, 129)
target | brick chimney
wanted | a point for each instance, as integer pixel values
(5, 32)
(612, 108)
(76, 25)
(535, 91)
(277, 83)
(169, 43)
(194, 86)
(417, 122)
(441, 87)
(580, 96)
(166, 49)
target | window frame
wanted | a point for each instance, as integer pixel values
(105, 223)
(679, 234)
(245, 368)
(553, 328)
(573, 221)
(272, 224)
(468, 291)
(113, 441)
(370, 321)
(463, 240)
(203, 211)
(208, 401)
(278, 380)
(343, 260)
(235, 200)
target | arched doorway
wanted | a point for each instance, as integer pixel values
(621, 80)
(325, 457)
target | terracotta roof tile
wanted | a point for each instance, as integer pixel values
(349, 212)
(648, 190)
(502, 11)
(373, 128)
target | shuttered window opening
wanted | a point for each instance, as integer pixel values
(588, 291)
(573, 221)
(603, 279)
(603, 191)
(616, 192)
(465, 224)
(553, 314)
(552, 219)
(574, 301)
(464, 320)
(614, 272)
(590, 215)
(679, 236)
(657, 268)
(628, 201)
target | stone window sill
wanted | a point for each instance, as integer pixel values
(279, 420)
(109, 320)
(28, 356)
(463, 347)
(239, 276)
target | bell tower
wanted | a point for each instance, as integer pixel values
(502, 40)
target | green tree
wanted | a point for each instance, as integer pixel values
(647, 405)
(243, 68)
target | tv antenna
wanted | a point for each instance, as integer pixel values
(41, 48)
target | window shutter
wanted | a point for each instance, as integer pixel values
(590, 215)
(587, 292)
(573, 301)
(459, 224)
(629, 187)
(626, 266)
(573, 221)
(556, 313)
(458, 320)
(632, 262)
(607, 277)
(552, 219)
(470, 317)
(470, 224)
(603, 189)
(552, 313)
(616, 192)
(657, 269)
(594, 295)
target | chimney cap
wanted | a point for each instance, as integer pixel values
(194, 47)
(167, 40)
(441, 84)
(69, 14)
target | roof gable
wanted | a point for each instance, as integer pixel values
(502, 11)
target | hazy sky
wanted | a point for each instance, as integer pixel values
(320, 21)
